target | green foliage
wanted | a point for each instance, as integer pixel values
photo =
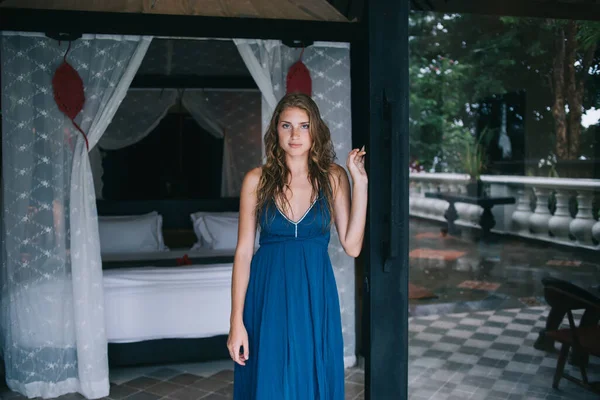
(475, 155)
(446, 82)
(589, 33)
(456, 61)
(465, 153)
(436, 100)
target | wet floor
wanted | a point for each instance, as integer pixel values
(471, 333)
(465, 274)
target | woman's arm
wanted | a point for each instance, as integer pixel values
(245, 245)
(238, 336)
(351, 211)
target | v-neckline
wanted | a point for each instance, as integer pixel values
(303, 215)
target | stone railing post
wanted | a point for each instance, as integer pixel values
(521, 215)
(538, 221)
(581, 226)
(558, 225)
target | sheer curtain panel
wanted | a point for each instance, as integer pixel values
(52, 316)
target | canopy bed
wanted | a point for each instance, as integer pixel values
(169, 303)
(86, 281)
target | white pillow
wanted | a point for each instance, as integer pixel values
(220, 232)
(198, 215)
(117, 217)
(131, 233)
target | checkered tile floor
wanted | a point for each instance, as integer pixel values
(486, 355)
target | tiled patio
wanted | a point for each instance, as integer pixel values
(466, 275)
(486, 355)
(470, 338)
(480, 355)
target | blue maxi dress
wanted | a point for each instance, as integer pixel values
(292, 313)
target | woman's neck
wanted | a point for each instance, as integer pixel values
(298, 166)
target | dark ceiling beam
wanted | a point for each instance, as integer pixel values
(353, 10)
(343, 7)
(174, 25)
(582, 10)
(193, 82)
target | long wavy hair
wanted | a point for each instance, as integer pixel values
(275, 177)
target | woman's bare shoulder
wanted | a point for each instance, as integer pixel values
(251, 180)
(253, 176)
(337, 175)
(336, 172)
(336, 169)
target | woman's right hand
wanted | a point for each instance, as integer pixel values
(238, 337)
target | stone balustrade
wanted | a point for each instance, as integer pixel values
(570, 221)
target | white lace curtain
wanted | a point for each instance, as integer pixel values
(329, 66)
(233, 116)
(52, 315)
(203, 112)
(139, 113)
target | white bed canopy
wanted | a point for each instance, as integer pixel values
(231, 115)
(50, 251)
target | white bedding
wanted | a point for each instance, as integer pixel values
(144, 303)
(141, 303)
(166, 255)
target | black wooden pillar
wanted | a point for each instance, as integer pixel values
(381, 108)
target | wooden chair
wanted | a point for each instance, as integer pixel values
(584, 340)
(558, 312)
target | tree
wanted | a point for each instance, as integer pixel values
(448, 78)
(559, 55)
(437, 98)
(553, 60)
(575, 45)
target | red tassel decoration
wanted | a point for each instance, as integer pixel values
(298, 78)
(68, 92)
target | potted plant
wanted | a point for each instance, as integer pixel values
(474, 163)
(549, 164)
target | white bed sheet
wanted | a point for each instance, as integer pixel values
(166, 255)
(145, 303)
(141, 303)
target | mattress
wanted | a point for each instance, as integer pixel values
(150, 302)
(141, 303)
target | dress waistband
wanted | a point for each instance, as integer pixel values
(320, 240)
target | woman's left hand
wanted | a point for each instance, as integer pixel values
(356, 165)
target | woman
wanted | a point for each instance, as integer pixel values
(286, 334)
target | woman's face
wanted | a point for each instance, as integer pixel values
(293, 131)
